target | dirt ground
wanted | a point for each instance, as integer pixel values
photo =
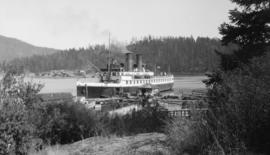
(141, 144)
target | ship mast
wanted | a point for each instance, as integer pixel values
(109, 60)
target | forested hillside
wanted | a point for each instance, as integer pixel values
(84, 58)
(182, 55)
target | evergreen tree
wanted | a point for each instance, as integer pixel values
(249, 28)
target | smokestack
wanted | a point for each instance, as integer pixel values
(139, 61)
(129, 62)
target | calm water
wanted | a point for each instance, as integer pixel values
(69, 84)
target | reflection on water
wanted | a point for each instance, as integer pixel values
(69, 84)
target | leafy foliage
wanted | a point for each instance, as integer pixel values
(188, 135)
(249, 29)
(239, 110)
(16, 99)
(64, 122)
(240, 107)
(147, 120)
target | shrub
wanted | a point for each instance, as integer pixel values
(146, 120)
(16, 98)
(64, 122)
(240, 109)
(15, 132)
(187, 135)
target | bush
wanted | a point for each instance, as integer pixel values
(188, 135)
(16, 98)
(15, 132)
(146, 120)
(64, 122)
(240, 109)
(27, 123)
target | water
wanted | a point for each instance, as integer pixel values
(56, 85)
(189, 82)
(69, 84)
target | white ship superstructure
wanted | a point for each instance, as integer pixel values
(130, 79)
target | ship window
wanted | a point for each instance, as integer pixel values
(81, 91)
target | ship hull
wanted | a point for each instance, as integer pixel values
(98, 92)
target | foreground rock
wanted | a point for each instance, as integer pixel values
(147, 143)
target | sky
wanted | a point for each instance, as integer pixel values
(66, 24)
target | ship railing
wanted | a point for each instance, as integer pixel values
(148, 81)
(136, 73)
(184, 112)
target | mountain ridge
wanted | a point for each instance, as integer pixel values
(11, 48)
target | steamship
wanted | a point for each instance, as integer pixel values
(127, 78)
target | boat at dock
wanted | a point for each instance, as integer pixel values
(124, 79)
